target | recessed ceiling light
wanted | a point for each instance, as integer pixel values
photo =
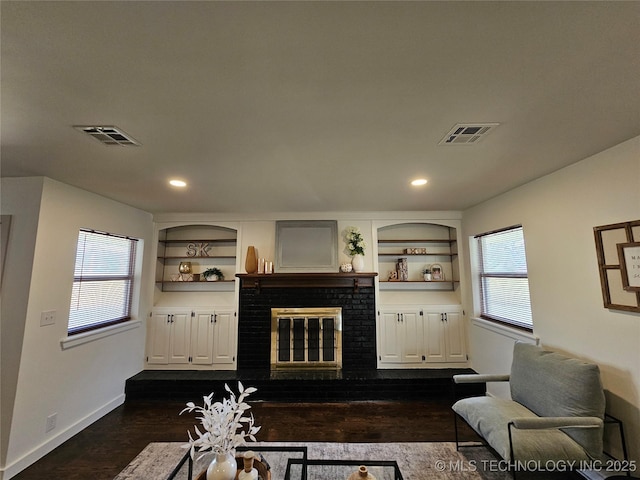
(178, 183)
(419, 181)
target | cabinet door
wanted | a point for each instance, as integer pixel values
(435, 336)
(158, 332)
(411, 342)
(180, 338)
(390, 337)
(454, 336)
(224, 337)
(445, 335)
(202, 337)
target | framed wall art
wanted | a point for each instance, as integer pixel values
(618, 252)
(629, 254)
(306, 246)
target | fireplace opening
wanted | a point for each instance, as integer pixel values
(306, 338)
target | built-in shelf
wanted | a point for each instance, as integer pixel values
(413, 240)
(403, 254)
(217, 286)
(205, 246)
(443, 285)
(422, 245)
(227, 241)
(198, 258)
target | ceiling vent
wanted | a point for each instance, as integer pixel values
(108, 135)
(467, 133)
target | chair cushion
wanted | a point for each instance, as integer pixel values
(490, 416)
(554, 385)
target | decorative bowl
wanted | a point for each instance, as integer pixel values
(346, 267)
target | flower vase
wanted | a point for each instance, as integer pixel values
(223, 467)
(251, 262)
(249, 472)
(358, 263)
(361, 474)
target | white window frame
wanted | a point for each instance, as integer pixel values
(78, 325)
(516, 314)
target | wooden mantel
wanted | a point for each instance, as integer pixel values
(306, 280)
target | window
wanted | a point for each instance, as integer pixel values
(102, 282)
(504, 284)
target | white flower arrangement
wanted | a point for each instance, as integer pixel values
(221, 422)
(355, 242)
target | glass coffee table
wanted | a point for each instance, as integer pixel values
(288, 463)
(276, 457)
(310, 469)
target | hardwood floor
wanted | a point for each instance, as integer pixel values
(103, 449)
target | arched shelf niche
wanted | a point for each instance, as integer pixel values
(203, 246)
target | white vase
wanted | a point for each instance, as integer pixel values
(223, 467)
(358, 263)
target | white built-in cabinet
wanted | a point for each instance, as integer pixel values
(194, 323)
(420, 321)
(179, 336)
(414, 336)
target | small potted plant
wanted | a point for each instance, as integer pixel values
(213, 274)
(427, 274)
(355, 248)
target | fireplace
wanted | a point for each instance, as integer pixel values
(352, 293)
(306, 338)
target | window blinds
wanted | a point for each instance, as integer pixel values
(103, 280)
(504, 281)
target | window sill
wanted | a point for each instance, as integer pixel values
(505, 330)
(86, 337)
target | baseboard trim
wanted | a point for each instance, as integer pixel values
(41, 450)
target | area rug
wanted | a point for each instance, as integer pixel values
(417, 461)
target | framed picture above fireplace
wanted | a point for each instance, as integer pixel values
(306, 246)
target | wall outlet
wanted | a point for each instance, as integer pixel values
(47, 318)
(51, 422)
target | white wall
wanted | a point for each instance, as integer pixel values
(21, 200)
(558, 213)
(81, 383)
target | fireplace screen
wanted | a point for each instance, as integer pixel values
(306, 338)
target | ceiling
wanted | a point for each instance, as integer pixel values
(313, 106)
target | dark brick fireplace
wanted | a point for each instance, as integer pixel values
(354, 293)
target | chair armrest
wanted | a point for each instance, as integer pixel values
(480, 378)
(540, 423)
